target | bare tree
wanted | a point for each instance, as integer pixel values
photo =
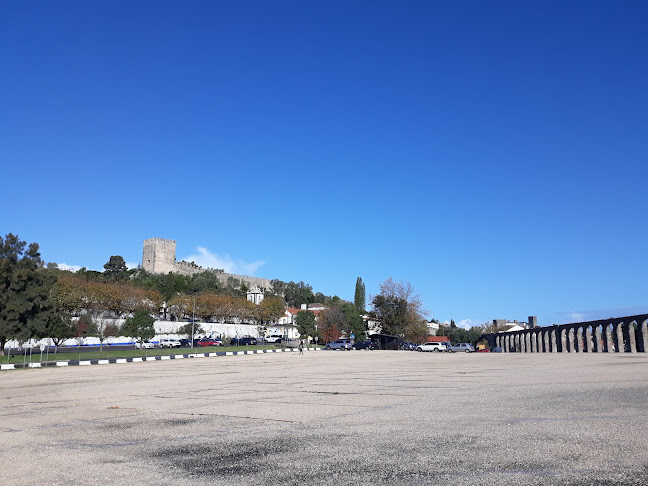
(397, 289)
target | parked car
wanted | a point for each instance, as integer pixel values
(343, 344)
(144, 345)
(462, 348)
(243, 341)
(186, 343)
(204, 342)
(274, 338)
(170, 343)
(367, 344)
(435, 347)
(407, 346)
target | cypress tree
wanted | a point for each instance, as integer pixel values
(360, 294)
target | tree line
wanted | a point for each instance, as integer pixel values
(38, 300)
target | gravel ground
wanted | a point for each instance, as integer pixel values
(352, 418)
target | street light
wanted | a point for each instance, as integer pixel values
(193, 321)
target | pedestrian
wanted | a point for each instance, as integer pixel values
(301, 347)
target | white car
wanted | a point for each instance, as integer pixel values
(436, 347)
(144, 345)
(274, 338)
(169, 343)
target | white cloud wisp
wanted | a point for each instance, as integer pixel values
(207, 259)
(71, 268)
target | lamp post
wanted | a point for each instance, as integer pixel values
(193, 321)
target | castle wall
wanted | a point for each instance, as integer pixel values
(262, 283)
(159, 257)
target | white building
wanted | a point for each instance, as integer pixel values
(255, 295)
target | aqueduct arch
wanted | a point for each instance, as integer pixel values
(615, 335)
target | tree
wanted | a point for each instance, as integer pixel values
(84, 327)
(78, 295)
(331, 323)
(59, 328)
(397, 306)
(278, 287)
(168, 285)
(298, 294)
(115, 268)
(180, 306)
(189, 327)
(105, 329)
(417, 332)
(271, 309)
(391, 312)
(360, 295)
(459, 335)
(24, 291)
(405, 291)
(330, 333)
(204, 282)
(356, 325)
(305, 322)
(139, 326)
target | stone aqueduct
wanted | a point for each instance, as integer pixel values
(615, 335)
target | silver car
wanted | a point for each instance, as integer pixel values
(343, 344)
(462, 348)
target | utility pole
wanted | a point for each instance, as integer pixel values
(193, 321)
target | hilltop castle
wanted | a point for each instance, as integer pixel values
(159, 257)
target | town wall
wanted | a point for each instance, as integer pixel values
(158, 257)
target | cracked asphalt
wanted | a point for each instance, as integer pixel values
(352, 418)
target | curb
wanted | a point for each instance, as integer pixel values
(89, 362)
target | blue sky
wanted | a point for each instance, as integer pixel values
(494, 154)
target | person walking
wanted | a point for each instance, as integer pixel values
(301, 347)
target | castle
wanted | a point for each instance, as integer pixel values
(159, 257)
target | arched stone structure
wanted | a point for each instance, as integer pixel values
(619, 338)
(563, 340)
(589, 340)
(632, 336)
(570, 339)
(619, 334)
(598, 339)
(534, 344)
(578, 338)
(643, 338)
(609, 342)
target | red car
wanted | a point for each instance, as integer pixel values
(209, 342)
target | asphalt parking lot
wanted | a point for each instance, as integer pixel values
(353, 418)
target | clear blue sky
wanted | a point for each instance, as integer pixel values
(494, 154)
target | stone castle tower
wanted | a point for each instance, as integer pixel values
(159, 257)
